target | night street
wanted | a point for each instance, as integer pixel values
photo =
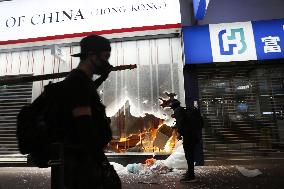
(209, 177)
(185, 94)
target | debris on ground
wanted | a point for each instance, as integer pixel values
(249, 173)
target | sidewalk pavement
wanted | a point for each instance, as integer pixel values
(217, 176)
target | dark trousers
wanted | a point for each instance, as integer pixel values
(189, 151)
(198, 150)
(82, 172)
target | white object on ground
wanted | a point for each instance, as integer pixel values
(249, 173)
(159, 167)
(177, 159)
(119, 168)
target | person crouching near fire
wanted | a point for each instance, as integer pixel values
(189, 123)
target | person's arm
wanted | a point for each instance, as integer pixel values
(101, 79)
(82, 114)
(179, 115)
(181, 119)
(84, 124)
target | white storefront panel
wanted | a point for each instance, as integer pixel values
(37, 20)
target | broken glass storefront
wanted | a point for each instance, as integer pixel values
(243, 106)
(131, 96)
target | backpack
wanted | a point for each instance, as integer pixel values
(191, 121)
(36, 123)
(195, 117)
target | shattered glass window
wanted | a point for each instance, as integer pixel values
(132, 96)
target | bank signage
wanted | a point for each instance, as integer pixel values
(33, 20)
(240, 41)
(200, 7)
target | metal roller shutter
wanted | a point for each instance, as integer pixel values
(12, 98)
(243, 108)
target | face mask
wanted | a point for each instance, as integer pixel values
(101, 67)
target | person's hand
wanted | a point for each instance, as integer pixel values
(102, 78)
(171, 102)
(174, 103)
(104, 75)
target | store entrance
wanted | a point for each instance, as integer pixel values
(243, 107)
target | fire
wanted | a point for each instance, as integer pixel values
(148, 137)
(122, 139)
(151, 140)
(169, 147)
(148, 133)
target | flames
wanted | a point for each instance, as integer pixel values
(169, 147)
(147, 141)
(147, 133)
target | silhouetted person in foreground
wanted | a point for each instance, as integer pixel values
(84, 117)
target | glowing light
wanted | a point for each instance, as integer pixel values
(243, 87)
(122, 139)
(170, 145)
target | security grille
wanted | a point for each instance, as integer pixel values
(12, 98)
(243, 108)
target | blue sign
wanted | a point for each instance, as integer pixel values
(197, 45)
(269, 39)
(200, 7)
(239, 41)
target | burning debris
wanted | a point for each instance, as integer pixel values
(140, 134)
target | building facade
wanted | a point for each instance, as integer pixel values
(242, 99)
(39, 40)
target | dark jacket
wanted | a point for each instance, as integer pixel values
(189, 122)
(88, 133)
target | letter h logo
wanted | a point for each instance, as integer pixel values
(234, 40)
